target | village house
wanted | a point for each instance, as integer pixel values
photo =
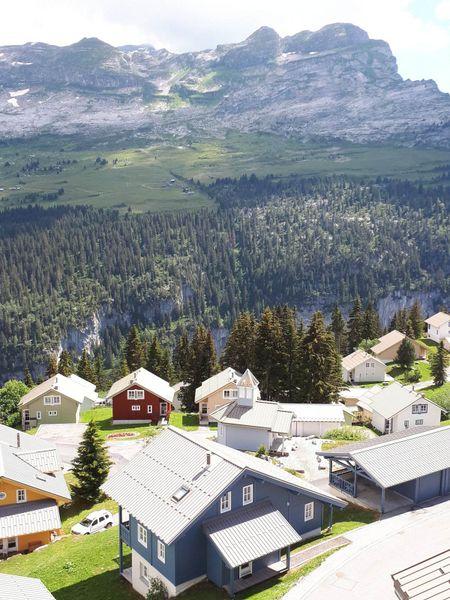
(362, 367)
(387, 347)
(32, 487)
(198, 510)
(438, 328)
(216, 391)
(248, 423)
(140, 397)
(59, 399)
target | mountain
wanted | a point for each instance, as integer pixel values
(332, 83)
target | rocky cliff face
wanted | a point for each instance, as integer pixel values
(333, 83)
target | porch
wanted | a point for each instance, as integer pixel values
(263, 574)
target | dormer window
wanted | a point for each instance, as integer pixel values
(225, 502)
(180, 493)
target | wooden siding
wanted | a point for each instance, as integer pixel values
(121, 406)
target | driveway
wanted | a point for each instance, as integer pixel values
(363, 569)
(302, 457)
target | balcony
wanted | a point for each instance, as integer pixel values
(125, 533)
(343, 484)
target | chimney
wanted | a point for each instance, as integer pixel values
(18, 439)
(208, 458)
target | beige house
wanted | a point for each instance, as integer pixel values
(60, 399)
(361, 367)
(388, 345)
(217, 390)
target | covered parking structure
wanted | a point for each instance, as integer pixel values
(414, 463)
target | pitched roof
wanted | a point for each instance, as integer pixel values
(426, 580)
(262, 414)
(358, 357)
(87, 384)
(143, 378)
(37, 452)
(216, 382)
(388, 340)
(393, 398)
(23, 588)
(29, 517)
(250, 533)
(145, 486)
(248, 380)
(393, 459)
(64, 385)
(440, 318)
(316, 412)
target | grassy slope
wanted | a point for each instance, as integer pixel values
(188, 421)
(423, 366)
(103, 417)
(141, 176)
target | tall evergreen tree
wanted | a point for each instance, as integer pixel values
(158, 360)
(406, 354)
(27, 378)
(288, 389)
(134, 349)
(182, 356)
(416, 319)
(84, 367)
(52, 366)
(91, 465)
(371, 329)
(99, 372)
(319, 364)
(339, 329)
(239, 352)
(355, 325)
(269, 354)
(439, 363)
(65, 363)
(203, 364)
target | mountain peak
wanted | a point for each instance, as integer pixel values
(263, 35)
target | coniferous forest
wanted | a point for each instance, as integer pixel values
(315, 242)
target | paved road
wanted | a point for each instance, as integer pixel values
(363, 569)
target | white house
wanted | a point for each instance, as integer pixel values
(396, 408)
(438, 327)
(248, 423)
(315, 419)
(361, 367)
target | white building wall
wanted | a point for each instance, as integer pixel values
(365, 374)
(438, 333)
(378, 421)
(243, 438)
(405, 419)
(319, 428)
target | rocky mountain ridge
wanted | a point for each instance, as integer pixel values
(332, 83)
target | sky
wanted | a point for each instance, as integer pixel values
(418, 31)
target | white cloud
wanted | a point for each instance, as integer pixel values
(183, 25)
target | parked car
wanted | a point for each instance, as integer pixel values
(94, 522)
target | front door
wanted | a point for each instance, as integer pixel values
(26, 419)
(163, 409)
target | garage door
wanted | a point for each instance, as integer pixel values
(429, 486)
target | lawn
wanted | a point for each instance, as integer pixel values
(103, 418)
(439, 395)
(430, 344)
(398, 373)
(186, 421)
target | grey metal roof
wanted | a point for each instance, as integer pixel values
(29, 517)
(262, 414)
(250, 533)
(174, 458)
(13, 587)
(216, 382)
(394, 398)
(396, 459)
(316, 412)
(32, 449)
(427, 580)
(149, 381)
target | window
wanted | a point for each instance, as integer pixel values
(142, 535)
(247, 494)
(12, 544)
(406, 424)
(225, 502)
(180, 493)
(38, 415)
(135, 394)
(418, 409)
(220, 429)
(101, 519)
(309, 511)
(227, 393)
(2, 495)
(419, 422)
(245, 570)
(149, 409)
(204, 408)
(135, 407)
(367, 364)
(52, 413)
(52, 400)
(161, 551)
(21, 495)
(143, 572)
(163, 408)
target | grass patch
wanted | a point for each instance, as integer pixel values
(187, 421)
(398, 373)
(103, 418)
(348, 433)
(430, 344)
(439, 395)
(334, 444)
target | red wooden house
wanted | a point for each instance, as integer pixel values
(140, 397)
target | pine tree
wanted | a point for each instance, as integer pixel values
(239, 352)
(65, 363)
(371, 323)
(202, 365)
(439, 363)
(27, 378)
(158, 360)
(182, 356)
(416, 319)
(99, 372)
(84, 367)
(339, 330)
(123, 369)
(355, 325)
(288, 390)
(269, 354)
(319, 364)
(406, 354)
(91, 465)
(134, 350)
(52, 366)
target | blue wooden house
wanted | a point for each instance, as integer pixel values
(192, 510)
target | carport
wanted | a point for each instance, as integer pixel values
(414, 463)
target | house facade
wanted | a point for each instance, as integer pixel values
(32, 487)
(140, 397)
(59, 399)
(387, 347)
(438, 327)
(216, 391)
(361, 367)
(218, 514)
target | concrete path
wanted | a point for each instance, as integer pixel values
(300, 558)
(363, 568)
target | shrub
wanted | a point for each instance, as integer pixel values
(261, 451)
(412, 376)
(353, 434)
(157, 590)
